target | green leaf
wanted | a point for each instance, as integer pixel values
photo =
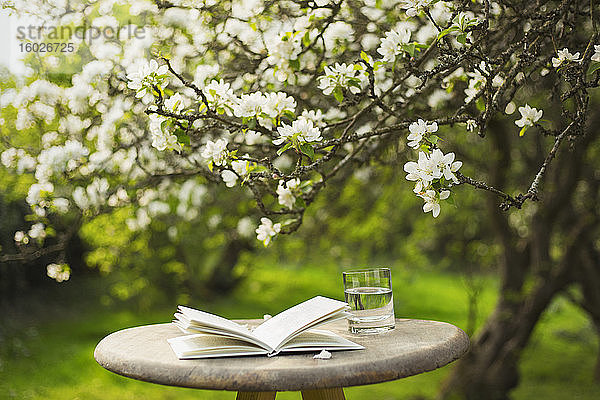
(306, 39)
(210, 166)
(409, 48)
(295, 64)
(523, 130)
(354, 82)
(257, 168)
(462, 39)
(450, 200)
(446, 31)
(165, 125)
(338, 94)
(364, 56)
(300, 202)
(284, 148)
(182, 138)
(594, 67)
(479, 103)
(434, 139)
(289, 115)
(308, 150)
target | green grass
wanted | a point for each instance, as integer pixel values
(49, 354)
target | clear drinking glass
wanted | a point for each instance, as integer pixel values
(368, 292)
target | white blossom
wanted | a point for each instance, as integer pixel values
(250, 105)
(445, 164)
(413, 7)
(18, 159)
(58, 272)
(422, 172)
(529, 116)
(61, 204)
(37, 192)
(596, 55)
(252, 137)
(277, 103)
(316, 117)
(267, 230)
(8, 157)
(432, 201)
(478, 80)
(175, 103)
(336, 32)
(564, 56)
(58, 159)
(216, 152)
(220, 96)
(428, 168)
(285, 190)
(162, 139)
(21, 237)
(391, 44)
(240, 167)
(418, 130)
(323, 355)
(37, 231)
(97, 192)
(283, 48)
(341, 75)
(245, 227)
(148, 74)
(229, 177)
(301, 130)
(471, 125)
(203, 72)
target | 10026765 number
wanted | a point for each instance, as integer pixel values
(46, 47)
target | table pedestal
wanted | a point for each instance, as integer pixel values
(318, 394)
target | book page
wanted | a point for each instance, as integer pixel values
(210, 346)
(189, 319)
(277, 330)
(317, 339)
(211, 320)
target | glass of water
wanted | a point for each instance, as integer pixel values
(368, 292)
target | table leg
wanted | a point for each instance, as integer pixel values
(256, 395)
(324, 394)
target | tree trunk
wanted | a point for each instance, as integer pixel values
(490, 370)
(222, 278)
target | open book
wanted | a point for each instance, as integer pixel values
(291, 330)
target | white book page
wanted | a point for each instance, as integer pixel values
(317, 339)
(190, 319)
(277, 330)
(208, 319)
(209, 346)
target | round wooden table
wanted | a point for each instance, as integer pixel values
(413, 347)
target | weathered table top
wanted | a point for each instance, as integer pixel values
(413, 347)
